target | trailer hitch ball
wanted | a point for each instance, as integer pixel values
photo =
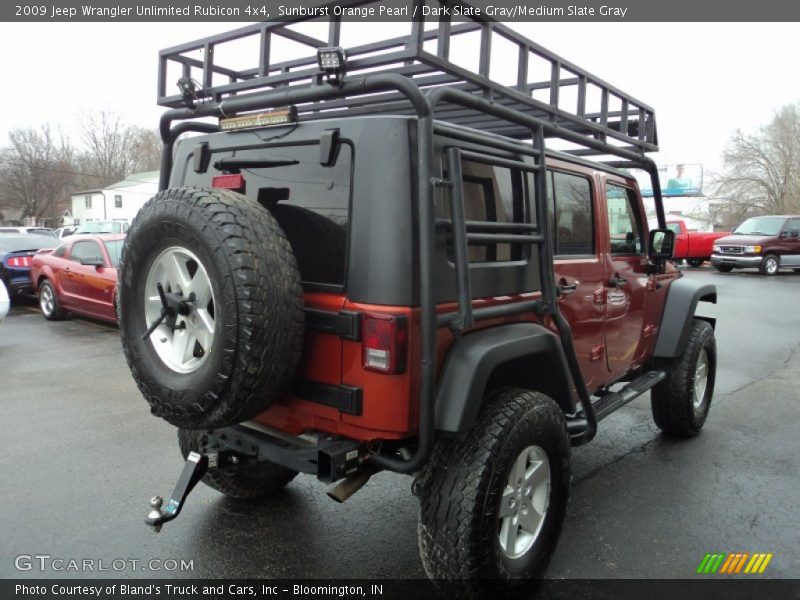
(193, 471)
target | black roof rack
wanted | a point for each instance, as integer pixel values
(571, 99)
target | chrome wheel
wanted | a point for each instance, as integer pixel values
(771, 265)
(700, 378)
(182, 341)
(46, 300)
(525, 500)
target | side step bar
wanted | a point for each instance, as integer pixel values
(608, 403)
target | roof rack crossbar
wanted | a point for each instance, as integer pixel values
(567, 98)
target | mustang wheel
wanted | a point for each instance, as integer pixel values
(49, 303)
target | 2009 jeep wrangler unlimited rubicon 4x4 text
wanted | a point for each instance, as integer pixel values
(387, 269)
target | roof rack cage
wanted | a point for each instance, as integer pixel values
(568, 98)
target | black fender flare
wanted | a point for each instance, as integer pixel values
(473, 358)
(679, 308)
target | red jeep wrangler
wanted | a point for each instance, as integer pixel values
(382, 266)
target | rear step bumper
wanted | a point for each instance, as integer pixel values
(608, 403)
(329, 458)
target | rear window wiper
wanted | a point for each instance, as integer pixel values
(234, 165)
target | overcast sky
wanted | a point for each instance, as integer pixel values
(704, 80)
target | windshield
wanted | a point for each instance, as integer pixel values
(760, 226)
(26, 241)
(114, 248)
(99, 227)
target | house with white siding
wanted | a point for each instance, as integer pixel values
(117, 202)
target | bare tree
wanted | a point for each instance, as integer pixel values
(762, 169)
(147, 149)
(109, 146)
(36, 170)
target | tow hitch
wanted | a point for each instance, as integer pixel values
(193, 471)
(231, 448)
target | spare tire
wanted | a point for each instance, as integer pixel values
(231, 340)
(319, 244)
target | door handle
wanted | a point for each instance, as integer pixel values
(564, 288)
(617, 281)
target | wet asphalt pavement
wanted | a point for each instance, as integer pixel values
(81, 456)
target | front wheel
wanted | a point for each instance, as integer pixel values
(681, 402)
(695, 262)
(492, 504)
(724, 268)
(770, 265)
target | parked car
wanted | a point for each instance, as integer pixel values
(5, 301)
(16, 250)
(66, 231)
(695, 247)
(79, 276)
(98, 227)
(37, 230)
(766, 243)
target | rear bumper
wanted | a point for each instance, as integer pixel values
(740, 262)
(20, 287)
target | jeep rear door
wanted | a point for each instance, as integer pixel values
(579, 269)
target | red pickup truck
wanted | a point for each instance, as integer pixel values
(694, 246)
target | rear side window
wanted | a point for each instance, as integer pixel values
(491, 194)
(674, 227)
(570, 197)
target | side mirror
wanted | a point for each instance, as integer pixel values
(793, 233)
(662, 244)
(93, 262)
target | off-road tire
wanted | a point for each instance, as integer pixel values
(319, 244)
(258, 306)
(462, 485)
(724, 268)
(770, 265)
(245, 483)
(673, 400)
(695, 262)
(57, 312)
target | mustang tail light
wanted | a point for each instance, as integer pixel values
(19, 262)
(384, 340)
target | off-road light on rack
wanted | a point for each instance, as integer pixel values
(188, 89)
(263, 119)
(332, 61)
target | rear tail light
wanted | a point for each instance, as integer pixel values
(384, 341)
(20, 262)
(229, 182)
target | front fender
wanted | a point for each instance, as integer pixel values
(473, 359)
(679, 309)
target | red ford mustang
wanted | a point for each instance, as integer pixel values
(79, 276)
